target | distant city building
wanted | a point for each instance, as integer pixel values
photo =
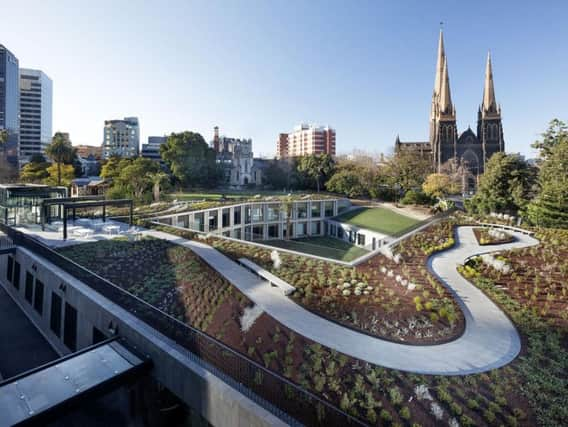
(151, 150)
(236, 157)
(282, 146)
(121, 138)
(469, 149)
(10, 102)
(305, 140)
(36, 99)
(89, 150)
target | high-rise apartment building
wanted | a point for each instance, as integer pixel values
(121, 138)
(282, 146)
(36, 98)
(10, 103)
(305, 140)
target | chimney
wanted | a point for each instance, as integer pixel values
(216, 139)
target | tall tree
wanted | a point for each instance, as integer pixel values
(407, 170)
(60, 174)
(557, 132)
(440, 185)
(136, 178)
(506, 185)
(36, 171)
(191, 160)
(550, 208)
(317, 166)
(159, 180)
(61, 152)
(113, 165)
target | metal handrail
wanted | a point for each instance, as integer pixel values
(285, 399)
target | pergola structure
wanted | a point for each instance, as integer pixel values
(72, 204)
(46, 204)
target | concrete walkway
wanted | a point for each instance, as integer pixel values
(490, 340)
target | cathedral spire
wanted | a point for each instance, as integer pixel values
(445, 96)
(439, 65)
(489, 104)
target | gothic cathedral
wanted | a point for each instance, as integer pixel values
(469, 150)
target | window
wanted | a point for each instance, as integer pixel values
(247, 214)
(38, 297)
(55, 319)
(361, 239)
(29, 291)
(257, 213)
(273, 231)
(98, 336)
(70, 327)
(328, 209)
(226, 217)
(302, 210)
(237, 215)
(258, 232)
(301, 229)
(316, 228)
(316, 209)
(213, 220)
(198, 222)
(10, 269)
(16, 281)
(272, 212)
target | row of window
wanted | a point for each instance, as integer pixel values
(34, 293)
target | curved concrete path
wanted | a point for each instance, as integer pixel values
(490, 340)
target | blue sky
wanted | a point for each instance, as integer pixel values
(257, 68)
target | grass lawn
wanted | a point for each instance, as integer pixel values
(381, 220)
(322, 246)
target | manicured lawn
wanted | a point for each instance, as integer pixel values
(381, 220)
(321, 246)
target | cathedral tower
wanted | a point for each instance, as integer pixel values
(443, 130)
(489, 126)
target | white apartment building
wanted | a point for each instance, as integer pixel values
(121, 138)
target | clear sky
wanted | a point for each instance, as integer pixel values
(257, 68)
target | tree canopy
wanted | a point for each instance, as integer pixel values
(317, 167)
(36, 171)
(440, 185)
(506, 185)
(556, 133)
(61, 152)
(136, 179)
(191, 160)
(60, 174)
(550, 208)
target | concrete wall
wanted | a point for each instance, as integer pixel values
(174, 367)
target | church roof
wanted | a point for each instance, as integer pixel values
(489, 104)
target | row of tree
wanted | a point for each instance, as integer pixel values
(537, 193)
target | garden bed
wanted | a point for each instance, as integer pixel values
(174, 279)
(397, 301)
(492, 236)
(531, 286)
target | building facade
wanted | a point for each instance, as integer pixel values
(305, 140)
(236, 157)
(470, 150)
(10, 103)
(121, 138)
(36, 100)
(151, 150)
